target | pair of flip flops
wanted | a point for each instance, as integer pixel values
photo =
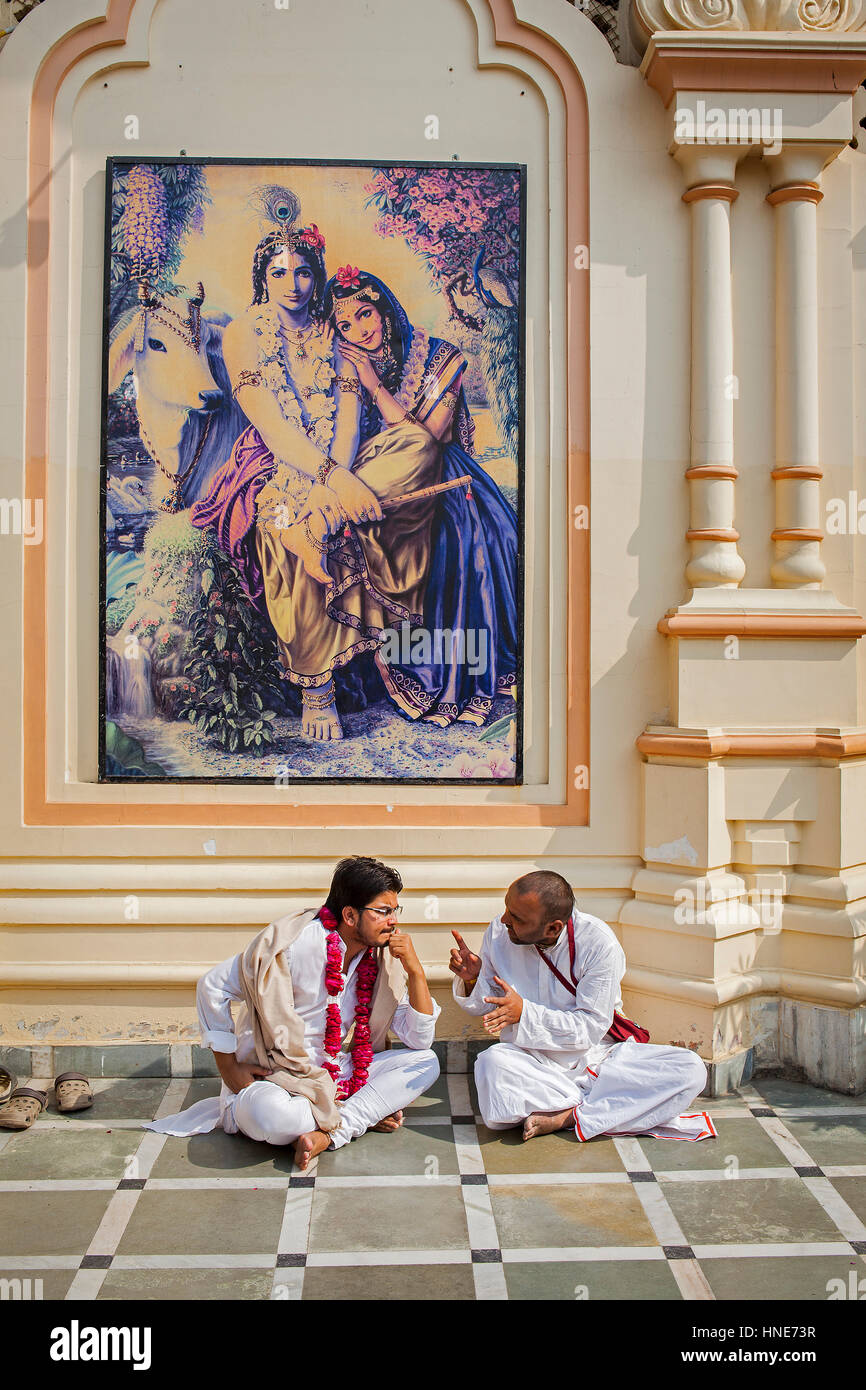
(72, 1091)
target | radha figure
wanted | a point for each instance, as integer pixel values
(457, 552)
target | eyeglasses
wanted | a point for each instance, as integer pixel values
(386, 911)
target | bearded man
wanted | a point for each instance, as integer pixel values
(319, 991)
(567, 1056)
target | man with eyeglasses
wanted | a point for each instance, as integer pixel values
(320, 991)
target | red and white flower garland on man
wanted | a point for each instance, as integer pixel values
(362, 1050)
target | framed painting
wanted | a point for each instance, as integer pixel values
(312, 472)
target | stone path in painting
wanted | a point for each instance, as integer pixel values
(379, 744)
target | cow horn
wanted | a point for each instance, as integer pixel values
(198, 299)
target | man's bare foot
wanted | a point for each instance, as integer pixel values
(309, 1146)
(305, 543)
(320, 722)
(539, 1123)
(389, 1124)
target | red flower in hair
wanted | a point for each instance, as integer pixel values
(311, 236)
(348, 277)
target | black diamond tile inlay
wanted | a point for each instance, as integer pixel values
(761, 1112)
(487, 1257)
(291, 1261)
(302, 1182)
(463, 1119)
(859, 1246)
(810, 1172)
(678, 1252)
(473, 1179)
(96, 1262)
(131, 1184)
(641, 1177)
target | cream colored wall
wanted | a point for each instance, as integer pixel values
(103, 931)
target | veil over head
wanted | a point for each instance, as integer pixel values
(367, 279)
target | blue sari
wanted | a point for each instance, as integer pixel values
(474, 563)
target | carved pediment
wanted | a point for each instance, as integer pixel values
(802, 16)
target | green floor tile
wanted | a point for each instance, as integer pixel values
(36, 1285)
(50, 1153)
(433, 1102)
(642, 1280)
(749, 1211)
(799, 1277)
(565, 1215)
(781, 1094)
(188, 1285)
(50, 1223)
(391, 1283)
(202, 1088)
(504, 1151)
(395, 1218)
(116, 1099)
(833, 1139)
(219, 1154)
(853, 1191)
(742, 1143)
(228, 1222)
(414, 1150)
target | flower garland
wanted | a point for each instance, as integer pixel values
(285, 494)
(410, 381)
(362, 1049)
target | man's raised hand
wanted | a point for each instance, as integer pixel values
(463, 962)
(508, 1010)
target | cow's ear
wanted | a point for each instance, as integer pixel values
(120, 355)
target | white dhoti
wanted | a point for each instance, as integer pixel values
(268, 1113)
(271, 1115)
(638, 1088)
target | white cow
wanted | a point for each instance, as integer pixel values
(175, 356)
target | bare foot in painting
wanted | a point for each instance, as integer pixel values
(308, 545)
(320, 722)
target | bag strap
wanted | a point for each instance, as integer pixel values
(621, 1027)
(572, 988)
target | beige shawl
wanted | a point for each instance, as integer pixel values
(278, 1031)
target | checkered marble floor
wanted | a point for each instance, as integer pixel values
(97, 1208)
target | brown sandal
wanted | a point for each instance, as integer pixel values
(72, 1092)
(7, 1085)
(22, 1108)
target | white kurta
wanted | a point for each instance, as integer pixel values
(559, 1054)
(260, 1104)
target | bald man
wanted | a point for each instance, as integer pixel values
(547, 984)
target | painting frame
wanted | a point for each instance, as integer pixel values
(115, 163)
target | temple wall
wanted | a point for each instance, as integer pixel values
(106, 920)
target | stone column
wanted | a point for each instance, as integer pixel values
(797, 535)
(715, 561)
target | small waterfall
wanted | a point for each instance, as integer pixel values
(127, 681)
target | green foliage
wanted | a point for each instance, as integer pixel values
(232, 664)
(117, 612)
(125, 756)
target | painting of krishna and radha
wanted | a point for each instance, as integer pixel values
(312, 557)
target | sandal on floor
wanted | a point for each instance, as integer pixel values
(72, 1092)
(7, 1085)
(22, 1108)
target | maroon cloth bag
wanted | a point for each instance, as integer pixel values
(622, 1027)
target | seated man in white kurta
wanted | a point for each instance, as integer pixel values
(307, 982)
(547, 983)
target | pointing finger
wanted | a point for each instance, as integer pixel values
(501, 983)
